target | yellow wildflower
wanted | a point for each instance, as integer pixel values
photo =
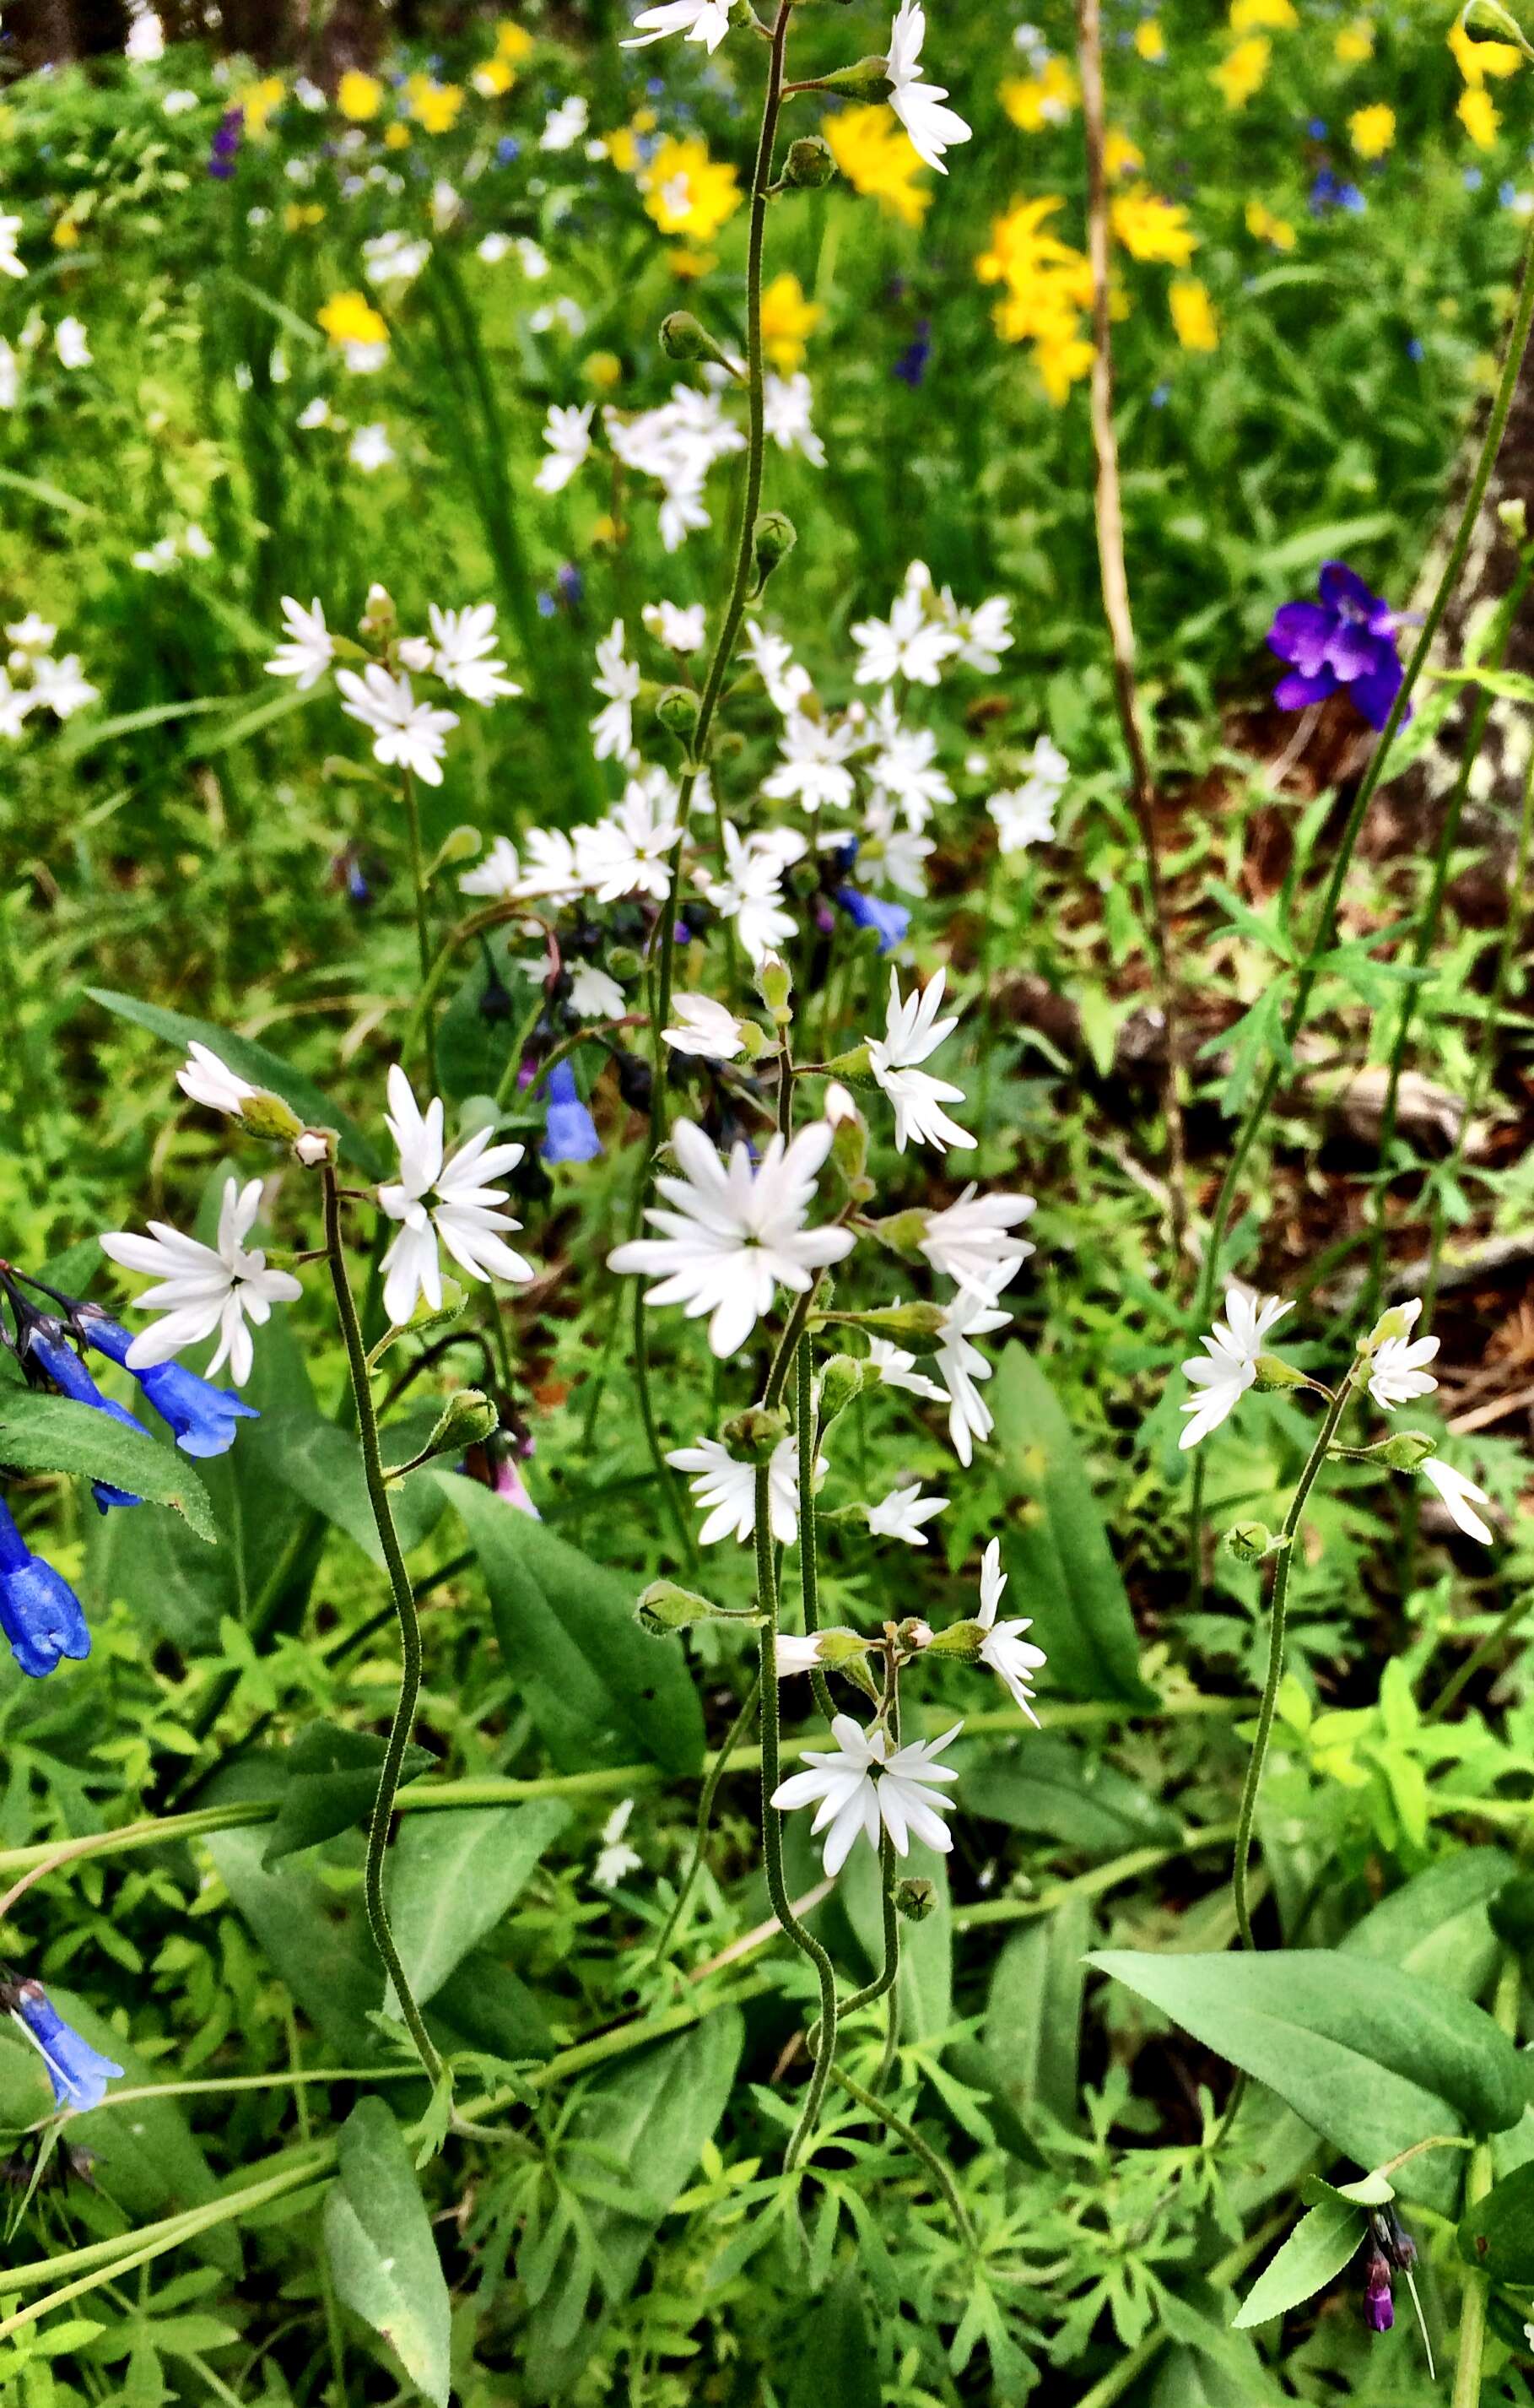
(396, 137)
(66, 234)
(1151, 228)
(513, 43)
(1192, 314)
(1049, 286)
(686, 192)
(877, 156)
(1243, 70)
(623, 151)
(1119, 156)
(1150, 41)
(434, 107)
(259, 101)
(1479, 60)
(1354, 43)
(1062, 361)
(359, 96)
(298, 214)
(351, 317)
(493, 79)
(787, 319)
(1266, 227)
(1043, 100)
(605, 529)
(1251, 15)
(603, 369)
(1374, 129)
(1479, 115)
(691, 264)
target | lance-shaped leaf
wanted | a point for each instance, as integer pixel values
(381, 2252)
(43, 1433)
(1313, 2256)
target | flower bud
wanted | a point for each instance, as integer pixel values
(1403, 1449)
(773, 539)
(380, 618)
(677, 710)
(467, 1418)
(964, 1639)
(683, 337)
(313, 1146)
(266, 1115)
(665, 1608)
(775, 985)
(913, 1636)
(1487, 20)
(915, 1897)
(756, 1435)
(1394, 1323)
(1250, 1542)
(809, 166)
(1379, 2309)
(623, 963)
(1274, 1374)
(841, 1386)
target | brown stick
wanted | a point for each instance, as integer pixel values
(1108, 513)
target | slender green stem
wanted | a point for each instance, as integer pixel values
(808, 1437)
(1277, 1627)
(718, 1767)
(423, 924)
(1324, 931)
(889, 1973)
(410, 1636)
(772, 1823)
(919, 2147)
(1477, 2180)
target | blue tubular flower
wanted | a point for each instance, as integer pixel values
(49, 1346)
(891, 920)
(201, 1416)
(39, 1612)
(78, 2073)
(570, 1130)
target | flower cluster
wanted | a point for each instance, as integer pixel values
(408, 733)
(35, 679)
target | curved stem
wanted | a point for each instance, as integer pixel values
(717, 1771)
(808, 1437)
(772, 1824)
(423, 924)
(1277, 1627)
(410, 1636)
(919, 2147)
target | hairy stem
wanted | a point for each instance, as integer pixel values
(409, 1635)
(718, 1767)
(423, 924)
(913, 2142)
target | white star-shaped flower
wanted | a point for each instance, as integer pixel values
(961, 1366)
(203, 1289)
(913, 1031)
(618, 678)
(452, 1201)
(1011, 1657)
(407, 733)
(309, 648)
(208, 1080)
(1228, 1365)
(901, 1514)
(462, 640)
(732, 1235)
(863, 1783)
(971, 1243)
(1396, 1374)
(696, 21)
(726, 1490)
(1461, 1496)
(933, 129)
(703, 1029)
(568, 435)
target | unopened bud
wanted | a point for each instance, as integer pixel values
(964, 1639)
(468, 1419)
(756, 1435)
(677, 710)
(266, 1115)
(913, 1636)
(685, 338)
(841, 1386)
(379, 617)
(665, 1608)
(313, 1146)
(774, 538)
(1274, 1374)
(775, 985)
(915, 1898)
(1250, 1542)
(809, 166)
(623, 963)
(1395, 1324)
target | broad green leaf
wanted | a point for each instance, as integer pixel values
(454, 1874)
(1439, 1925)
(319, 1461)
(983, 2069)
(598, 1688)
(314, 1936)
(251, 1061)
(381, 2250)
(835, 2365)
(1056, 1550)
(1511, 1913)
(1498, 2233)
(649, 2116)
(1373, 2058)
(1033, 2015)
(1051, 1785)
(483, 2004)
(1313, 2256)
(330, 1778)
(43, 1433)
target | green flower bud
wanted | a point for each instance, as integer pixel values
(961, 1639)
(774, 538)
(623, 963)
(841, 1386)
(677, 710)
(809, 166)
(756, 1435)
(1250, 1542)
(380, 618)
(1396, 1322)
(775, 985)
(683, 337)
(266, 1115)
(804, 880)
(1274, 1374)
(468, 1419)
(915, 1897)
(665, 1608)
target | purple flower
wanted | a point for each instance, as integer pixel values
(1378, 2308)
(224, 148)
(570, 1130)
(1346, 640)
(911, 367)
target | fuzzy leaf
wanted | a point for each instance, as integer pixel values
(1315, 2254)
(43, 1433)
(381, 2250)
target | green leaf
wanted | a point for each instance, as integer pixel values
(43, 1433)
(251, 1061)
(1057, 1552)
(599, 1690)
(382, 2254)
(991, 2074)
(1051, 1785)
(314, 1937)
(1511, 1913)
(1033, 2015)
(1313, 2256)
(453, 1875)
(835, 2365)
(925, 1984)
(332, 1780)
(1373, 2058)
(1439, 1925)
(1498, 2233)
